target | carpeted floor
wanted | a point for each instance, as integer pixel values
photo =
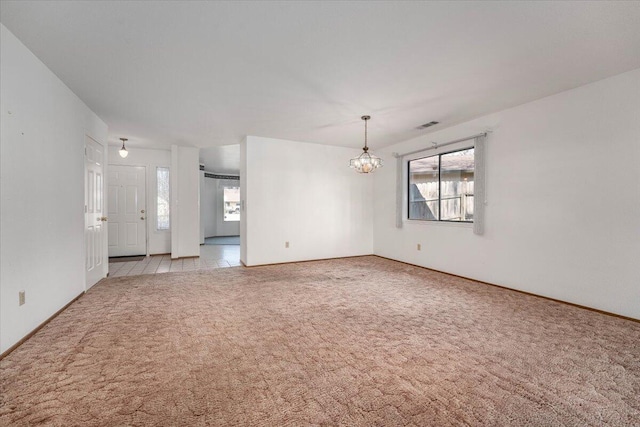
(354, 342)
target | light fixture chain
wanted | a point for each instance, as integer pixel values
(365, 133)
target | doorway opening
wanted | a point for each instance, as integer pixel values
(220, 204)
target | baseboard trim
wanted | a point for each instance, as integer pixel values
(308, 260)
(584, 307)
(40, 326)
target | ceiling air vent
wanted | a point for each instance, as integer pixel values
(426, 125)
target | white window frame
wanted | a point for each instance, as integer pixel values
(157, 216)
(480, 191)
(408, 183)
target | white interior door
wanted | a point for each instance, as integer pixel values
(127, 211)
(95, 256)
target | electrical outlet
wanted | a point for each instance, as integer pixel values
(286, 244)
(419, 247)
(21, 298)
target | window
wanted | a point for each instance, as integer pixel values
(163, 201)
(441, 187)
(231, 205)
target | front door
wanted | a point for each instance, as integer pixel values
(127, 211)
(95, 256)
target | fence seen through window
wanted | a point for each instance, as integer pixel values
(441, 187)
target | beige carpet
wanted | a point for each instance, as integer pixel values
(354, 342)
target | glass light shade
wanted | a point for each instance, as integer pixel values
(123, 152)
(365, 163)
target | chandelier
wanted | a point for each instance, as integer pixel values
(365, 162)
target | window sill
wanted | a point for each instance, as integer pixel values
(439, 223)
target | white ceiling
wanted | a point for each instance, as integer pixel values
(209, 73)
(221, 159)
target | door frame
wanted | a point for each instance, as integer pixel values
(146, 202)
(105, 242)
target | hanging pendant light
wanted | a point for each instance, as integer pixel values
(365, 162)
(123, 151)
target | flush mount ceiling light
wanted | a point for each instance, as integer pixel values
(123, 151)
(365, 162)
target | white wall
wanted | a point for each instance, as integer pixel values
(185, 202)
(212, 202)
(208, 206)
(563, 193)
(321, 207)
(159, 242)
(244, 220)
(42, 129)
(203, 208)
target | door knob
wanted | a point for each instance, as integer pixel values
(142, 211)
(102, 218)
(142, 218)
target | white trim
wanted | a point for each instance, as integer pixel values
(479, 177)
(436, 145)
(439, 223)
(402, 179)
(146, 200)
(155, 202)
